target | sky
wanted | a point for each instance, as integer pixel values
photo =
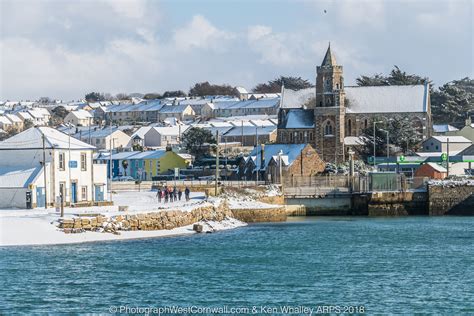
(64, 49)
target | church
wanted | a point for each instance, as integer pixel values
(332, 116)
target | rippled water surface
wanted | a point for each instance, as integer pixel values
(397, 265)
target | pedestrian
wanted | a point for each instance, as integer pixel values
(180, 193)
(175, 194)
(158, 195)
(166, 195)
(186, 193)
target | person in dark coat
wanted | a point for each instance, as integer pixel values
(166, 195)
(186, 193)
(175, 194)
(158, 195)
(180, 193)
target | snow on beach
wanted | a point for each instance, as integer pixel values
(35, 227)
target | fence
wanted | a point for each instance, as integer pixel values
(337, 184)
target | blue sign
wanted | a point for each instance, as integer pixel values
(73, 164)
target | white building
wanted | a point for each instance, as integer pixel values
(79, 118)
(40, 116)
(105, 138)
(69, 169)
(159, 136)
(440, 144)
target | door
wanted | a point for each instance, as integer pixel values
(99, 192)
(40, 197)
(73, 192)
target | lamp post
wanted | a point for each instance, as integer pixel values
(388, 146)
(375, 122)
(280, 154)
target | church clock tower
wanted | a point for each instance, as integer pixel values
(330, 109)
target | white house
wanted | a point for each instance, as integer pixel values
(440, 144)
(5, 123)
(17, 123)
(42, 155)
(105, 138)
(79, 118)
(40, 116)
(159, 136)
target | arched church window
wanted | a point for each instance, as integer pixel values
(320, 103)
(366, 123)
(296, 137)
(349, 127)
(328, 128)
(337, 86)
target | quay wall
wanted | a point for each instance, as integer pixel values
(451, 200)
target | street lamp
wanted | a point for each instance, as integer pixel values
(388, 146)
(280, 154)
(375, 122)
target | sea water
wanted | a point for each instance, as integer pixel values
(312, 264)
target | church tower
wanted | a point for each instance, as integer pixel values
(330, 109)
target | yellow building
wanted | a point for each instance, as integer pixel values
(161, 161)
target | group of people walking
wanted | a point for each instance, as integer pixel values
(168, 194)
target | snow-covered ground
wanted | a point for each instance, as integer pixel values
(34, 227)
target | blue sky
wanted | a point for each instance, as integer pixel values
(64, 49)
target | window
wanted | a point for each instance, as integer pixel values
(84, 193)
(328, 128)
(349, 127)
(366, 123)
(83, 161)
(437, 147)
(62, 162)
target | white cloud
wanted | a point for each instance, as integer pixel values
(274, 48)
(200, 33)
(128, 8)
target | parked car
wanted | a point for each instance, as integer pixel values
(123, 178)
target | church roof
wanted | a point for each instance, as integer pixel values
(387, 99)
(329, 59)
(297, 118)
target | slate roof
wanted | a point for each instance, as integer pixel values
(469, 151)
(297, 118)
(452, 139)
(292, 151)
(17, 177)
(251, 130)
(387, 99)
(443, 128)
(32, 138)
(296, 99)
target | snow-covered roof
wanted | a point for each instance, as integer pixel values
(39, 112)
(241, 90)
(171, 130)
(387, 99)
(13, 118)
(17, 177)
(292, 151)
(174, 108)
(353, 140)
(25, 115)
(297, 118)
(251, 130)
(469, 151)
(437, 167)
(5, 120)
(452, 139)
(140, 133)
(81, 114)
(32, 138)
(296, 99)
(443, 128)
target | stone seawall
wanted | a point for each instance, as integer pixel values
(390, 204)
(277, 214)
(147, 221)
(451, 200)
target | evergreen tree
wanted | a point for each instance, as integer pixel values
(274, 86)
(453, 102)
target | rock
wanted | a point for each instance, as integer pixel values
(123, 208)
(197, 228)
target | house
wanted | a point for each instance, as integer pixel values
(23, 115)
(46, 163)
(143, 165)
(5, 123)
(296, 159)
(17, 123)
(104, 139)
(79, 118)
(439, 144)
(250, 135)
(467, 131)
(431, 170)
(180, 112)
(159, 136)
(40, 116)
